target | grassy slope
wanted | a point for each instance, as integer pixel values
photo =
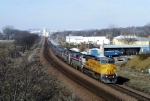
(138, 79)
(141, 61)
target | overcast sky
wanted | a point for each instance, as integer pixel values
(73, 14)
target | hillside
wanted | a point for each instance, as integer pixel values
(140, 62)
(134, 73)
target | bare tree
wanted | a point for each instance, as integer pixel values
(146, 31)
(5, 50)
(8, 32)
(1, 36)
(112, 32)
(128, 37)
(24, 39)
(29, 83)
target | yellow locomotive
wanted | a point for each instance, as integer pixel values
(102, 68)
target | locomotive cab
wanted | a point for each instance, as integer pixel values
(108, 70)
(102, 68)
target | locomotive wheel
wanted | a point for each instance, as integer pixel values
(97, 76)
(83, 70)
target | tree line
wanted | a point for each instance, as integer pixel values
(110, 32)
(26, 81)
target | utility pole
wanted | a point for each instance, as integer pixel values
(88, 46)
(69, 40)
(94, 37)
(76, 42)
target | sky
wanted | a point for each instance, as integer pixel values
(73, 14)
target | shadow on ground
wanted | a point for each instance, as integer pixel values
(121, 80)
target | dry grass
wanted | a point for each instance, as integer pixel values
(137, 79)
(139, 62)
(134, 71)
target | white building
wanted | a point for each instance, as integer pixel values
(36, 31)
(45, 32)
(94, 39)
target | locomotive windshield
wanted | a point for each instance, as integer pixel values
(104, 61)
(111, 61)
(107, 61)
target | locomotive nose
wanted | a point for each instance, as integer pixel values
(111, 69)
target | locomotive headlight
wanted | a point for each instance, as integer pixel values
(106, 76)
(113, 76)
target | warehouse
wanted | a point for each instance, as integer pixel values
(128, 49)
(94, 40)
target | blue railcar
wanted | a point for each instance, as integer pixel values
(112, 53)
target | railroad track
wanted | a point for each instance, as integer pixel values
(86, 84)
(90, 86)
(139, 97)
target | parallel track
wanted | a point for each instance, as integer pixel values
(129, 92)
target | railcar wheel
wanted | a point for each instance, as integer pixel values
(81, 69)
(71, 63)
(78, 68)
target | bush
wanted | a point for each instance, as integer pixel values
(29, 83)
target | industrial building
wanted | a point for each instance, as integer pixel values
(128, 49)
(140, 44)
(94, 40)
(134, 40)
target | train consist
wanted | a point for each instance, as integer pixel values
(101, 68)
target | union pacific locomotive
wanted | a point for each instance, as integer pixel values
(101, 68)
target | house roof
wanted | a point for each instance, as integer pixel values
(125, 46)
(121, 37)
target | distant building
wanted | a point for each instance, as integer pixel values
(81, 39)
(36, 31)
(128, 49)
(120, 40)
(45, 33)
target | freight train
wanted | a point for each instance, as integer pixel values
(101, 68)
